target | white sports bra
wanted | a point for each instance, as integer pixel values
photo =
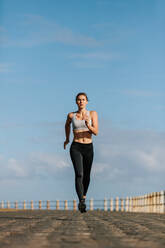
(80, 124)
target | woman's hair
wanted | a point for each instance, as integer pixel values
(82, 93)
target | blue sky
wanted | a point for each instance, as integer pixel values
(50, 51)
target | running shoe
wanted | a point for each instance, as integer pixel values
(82, 206)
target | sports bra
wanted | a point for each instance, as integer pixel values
(80, 124)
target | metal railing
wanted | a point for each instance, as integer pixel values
(151, 203)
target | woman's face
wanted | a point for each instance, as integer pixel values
(82, 101)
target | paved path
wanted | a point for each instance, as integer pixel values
(70, 229)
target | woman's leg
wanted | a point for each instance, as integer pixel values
(77, 161)
(87, 165)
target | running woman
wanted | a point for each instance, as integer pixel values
(84, 123)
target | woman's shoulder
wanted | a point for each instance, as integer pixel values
(92, 112)
(70, 115)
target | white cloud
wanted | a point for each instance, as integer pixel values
(143, 93)
(128, 155)
(96, 55)
(35, 30)
(41, 124)
(103, 25)
(3, 35)
(16, 168)
(118, 3)
(51, 162)
(4, 67)
(2, 29)
(11, 168)
(159, 107)
(94, 59)
(36, 164)
(1, 157)
(84, 64)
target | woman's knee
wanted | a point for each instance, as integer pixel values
(79, 176)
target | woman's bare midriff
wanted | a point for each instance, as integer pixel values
(84, 137)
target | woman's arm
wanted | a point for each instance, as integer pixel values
(67, 129)
(94, 127)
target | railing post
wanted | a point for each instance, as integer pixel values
(162, 201)
(148, 203)
(2, 204)
(66, 205)
(139, 199)
(32, 205)
(151, 203)
(111, 204)
(48, 204)
(157, 202)
(8, 204)
(137, 206)
(105, 204)
(74, 205)
(91, 204)
(40, 204)
(130, 204)
(154, 202)
(145, 203)
(117, 204)
(16, 204)
(24, 204)
(126, 203)
(57, 205)
(122, 204)
(135, 203)
(135, 200)
(141, 203)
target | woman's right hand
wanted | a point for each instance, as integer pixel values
(65, 143)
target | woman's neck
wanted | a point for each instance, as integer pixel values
(82, 111)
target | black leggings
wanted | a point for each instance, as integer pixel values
(82, 158)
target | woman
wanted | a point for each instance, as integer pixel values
(84, 123)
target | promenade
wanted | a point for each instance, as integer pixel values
(70, 229)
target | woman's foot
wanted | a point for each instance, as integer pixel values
(82, 206)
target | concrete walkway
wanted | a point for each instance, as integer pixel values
(69, 229)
